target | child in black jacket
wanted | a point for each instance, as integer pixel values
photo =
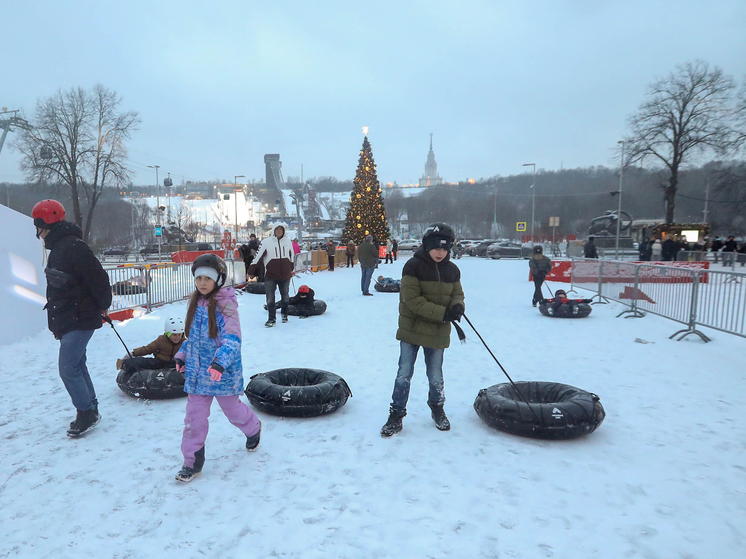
(303, 300)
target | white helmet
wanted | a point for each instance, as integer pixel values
(174, 325)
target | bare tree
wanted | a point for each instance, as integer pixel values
(77, 139)
(182, 218)
(687, 112)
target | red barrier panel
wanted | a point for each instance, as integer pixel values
(586, 271)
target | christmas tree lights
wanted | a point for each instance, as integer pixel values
(366, 214)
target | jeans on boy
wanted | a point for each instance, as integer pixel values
(367, 274)
(73, 371)
(434, 367)
(269, 290)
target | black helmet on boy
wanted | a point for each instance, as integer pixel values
(438, 235)
(212, 266)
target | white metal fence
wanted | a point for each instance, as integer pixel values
(152, 285)
(691, 295)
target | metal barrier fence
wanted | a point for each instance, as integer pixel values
(152, 285)
(690, 295)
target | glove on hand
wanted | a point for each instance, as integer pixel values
(585, 301)
(215, 374)
(454, 313)
(180, 366)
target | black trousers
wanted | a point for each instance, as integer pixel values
(537, 290)
(350, 261)
(331, 263)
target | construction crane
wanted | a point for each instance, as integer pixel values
(7, 123)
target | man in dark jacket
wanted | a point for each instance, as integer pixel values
(730, 246)
(431, 297)
(331, 252)
(78, 295)
(669, 249)
(540, 267)
(367, 255)
(715, 247)
(590, 250)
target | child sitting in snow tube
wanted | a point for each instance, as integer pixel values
(303, 303)
(387, 285)
(563, 307)
(154, 377)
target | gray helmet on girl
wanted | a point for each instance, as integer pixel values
(213, 262)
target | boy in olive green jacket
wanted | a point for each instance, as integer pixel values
(431, 298)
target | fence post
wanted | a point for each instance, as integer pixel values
(148, 281)
(693, 302)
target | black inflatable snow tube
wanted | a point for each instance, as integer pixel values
(580, 310)
(255, 287)
(387, 287)
(319, 307)
(558, 411)
(297, 392)
(124, 288)
(152, 384)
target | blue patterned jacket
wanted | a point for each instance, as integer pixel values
(199, 351)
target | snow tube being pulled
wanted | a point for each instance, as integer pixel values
(579, 310)
(558, 411)
(297, 392)
(387, 287)
(319, 307)
(255, 287)
(152, 384)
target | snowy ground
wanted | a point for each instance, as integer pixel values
(663, 477)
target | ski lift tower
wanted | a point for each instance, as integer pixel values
(274, 179)
(7, 123)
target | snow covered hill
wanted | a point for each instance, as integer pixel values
(662, 477)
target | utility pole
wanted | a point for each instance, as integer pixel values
(158, 207)
(235, 200)
(707, 199)
(619, 210)
(533, 200)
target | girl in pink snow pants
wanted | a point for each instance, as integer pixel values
(211, 361)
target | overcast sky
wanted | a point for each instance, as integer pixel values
(498, 83)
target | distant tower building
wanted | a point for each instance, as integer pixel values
(431, 177)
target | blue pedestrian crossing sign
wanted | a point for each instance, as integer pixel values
(158, 231)
(520, 226)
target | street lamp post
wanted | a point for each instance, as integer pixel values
(235, 200)
(533, 200)
(158, 206)
(619, 208)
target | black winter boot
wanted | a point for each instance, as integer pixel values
(439, 416)
(187, 474)
(394, 423)
(253, 441)
(84, 422)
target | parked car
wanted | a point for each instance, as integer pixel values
(479, 249)
(508, 249)
(409, 244)
(117, 251)
(150, 249)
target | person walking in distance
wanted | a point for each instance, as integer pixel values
(590, 250)
(389, 252)
(276, 254)
(331, 251)
(395, 248)
(350, 254)
(210, 359)
(540, 267)
(367, 255)
(431, 298)
(78, 296)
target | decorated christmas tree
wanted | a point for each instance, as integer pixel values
(366, 214)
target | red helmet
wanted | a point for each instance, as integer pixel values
(47, 212)
(304, 289)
